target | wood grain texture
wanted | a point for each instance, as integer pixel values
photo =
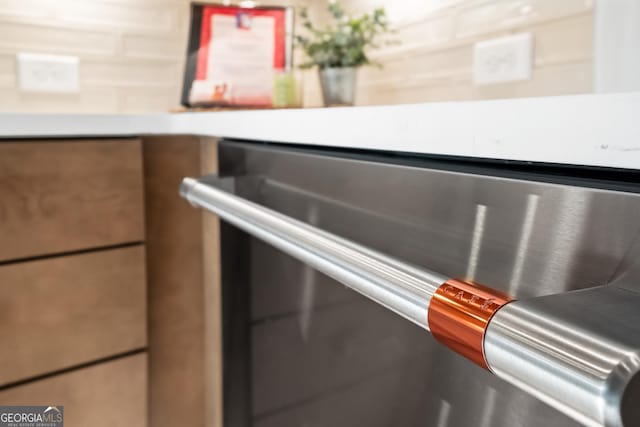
(110, 394)
(182, 288)
(212, 297)
(60, 196)
(59, 312)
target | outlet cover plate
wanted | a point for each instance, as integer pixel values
(504, 59)
(48, 73)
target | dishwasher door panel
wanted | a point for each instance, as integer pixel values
(318, 354)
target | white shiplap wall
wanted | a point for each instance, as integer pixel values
(131, 52)
(434, 60)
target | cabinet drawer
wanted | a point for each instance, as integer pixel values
(60, 312)
(103, 395)
(60, 196)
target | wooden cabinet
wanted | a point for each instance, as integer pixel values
(73, 288)
(109, 394)
(109, 282)
(185, 361)
(62, 196)
(59, 312)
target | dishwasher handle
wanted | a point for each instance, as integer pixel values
(551, 347)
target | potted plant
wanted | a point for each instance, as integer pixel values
(339, 49)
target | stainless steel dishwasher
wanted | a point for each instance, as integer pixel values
(335, 264)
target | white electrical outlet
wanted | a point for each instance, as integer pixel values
(48, 73)
(504, 59)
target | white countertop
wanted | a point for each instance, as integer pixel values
(595, 130)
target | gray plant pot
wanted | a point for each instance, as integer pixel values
(338, 86)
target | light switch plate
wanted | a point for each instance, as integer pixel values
(504, 59)
(48, 73)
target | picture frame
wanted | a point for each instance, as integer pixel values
(234, 54)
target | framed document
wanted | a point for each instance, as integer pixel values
(234, 54)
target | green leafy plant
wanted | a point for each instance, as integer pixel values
(344, 42)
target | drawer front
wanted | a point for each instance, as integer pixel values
(69, 195)
(60, 312)
(103, 395)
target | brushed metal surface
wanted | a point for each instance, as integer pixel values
(587, 341)
(526, 238)
(392, 283)
(585, 371)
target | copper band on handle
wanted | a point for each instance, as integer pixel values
(459, 313)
